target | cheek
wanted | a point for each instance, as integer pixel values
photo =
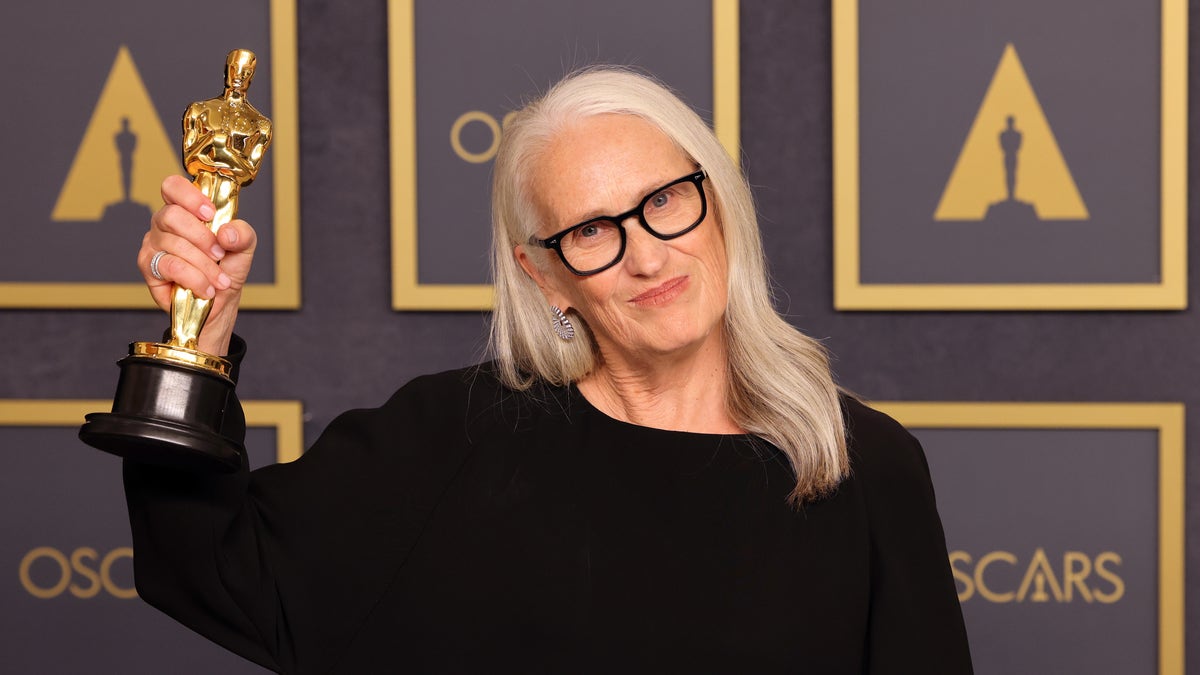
(596, 300)
(594, 297)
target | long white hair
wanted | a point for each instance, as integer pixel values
(780, 385)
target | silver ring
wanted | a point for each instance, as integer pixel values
(154, 265)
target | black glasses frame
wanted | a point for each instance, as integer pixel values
(554, 241)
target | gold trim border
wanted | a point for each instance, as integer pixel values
(286, 417)
(407, 291)
(1165, 418)
(284, 292)
(1169, 293)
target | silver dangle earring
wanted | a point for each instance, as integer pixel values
(562, 325)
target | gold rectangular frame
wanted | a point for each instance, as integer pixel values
(286, 417)
(1169, 293)
(1165, 418)
(408, 293)
(284, 292)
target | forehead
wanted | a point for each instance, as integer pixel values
(603, 165)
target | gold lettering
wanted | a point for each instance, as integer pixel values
(456, 136)
(1040, 582)
(76, 565)
(981, 568)
(1118, 584)
(968, 586)
(106, 573)
(77, 557)
(1040, 570)
(1073, 578)
(27, 562)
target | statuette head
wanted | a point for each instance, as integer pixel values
(239, 69)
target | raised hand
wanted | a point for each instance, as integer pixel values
(189, 254)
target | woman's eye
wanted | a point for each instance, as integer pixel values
(660, 200)
(591, 234)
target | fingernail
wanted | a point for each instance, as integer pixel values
(217, 252)
(231, 237)
(223, 280)
(210, 292)
(207, 212)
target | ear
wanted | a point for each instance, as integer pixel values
(539, 277)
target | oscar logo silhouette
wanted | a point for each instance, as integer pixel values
(126, 142)
(1010, 209)
(1010, 143)
(126, 211)
(171, 398)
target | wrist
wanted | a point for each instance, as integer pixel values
(215, 337)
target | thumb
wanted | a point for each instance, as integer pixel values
(240, 242)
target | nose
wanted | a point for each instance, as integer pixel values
(645, 254)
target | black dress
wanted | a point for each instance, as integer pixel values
(466, 528)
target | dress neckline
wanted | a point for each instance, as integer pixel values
(575, 395)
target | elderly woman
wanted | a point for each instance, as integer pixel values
(656, 473)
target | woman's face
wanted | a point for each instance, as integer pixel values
(664, 298)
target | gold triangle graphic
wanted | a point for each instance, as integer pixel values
(95, 179)
(982, 174)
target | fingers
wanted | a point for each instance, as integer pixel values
(190, 265)
(173, 219)
(178, 191)
(186, 212)
(187, 266)
(210, 265)
(180, 229)
(191, 244)
(160, 289)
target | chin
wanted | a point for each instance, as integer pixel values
(679, 340)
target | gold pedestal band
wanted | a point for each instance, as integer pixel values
(182, 356)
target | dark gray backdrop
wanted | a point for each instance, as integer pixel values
(325, 353)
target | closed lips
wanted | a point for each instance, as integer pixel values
(662, 292)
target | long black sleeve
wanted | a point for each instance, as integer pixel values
(284, 564)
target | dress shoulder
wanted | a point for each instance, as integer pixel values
(439, 407)
(881, 446)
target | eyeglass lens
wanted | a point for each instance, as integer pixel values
(669, 211)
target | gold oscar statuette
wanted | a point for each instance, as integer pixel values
(171, 398)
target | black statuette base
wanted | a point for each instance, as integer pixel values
(168, 414)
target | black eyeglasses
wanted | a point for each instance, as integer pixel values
(597, 244)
